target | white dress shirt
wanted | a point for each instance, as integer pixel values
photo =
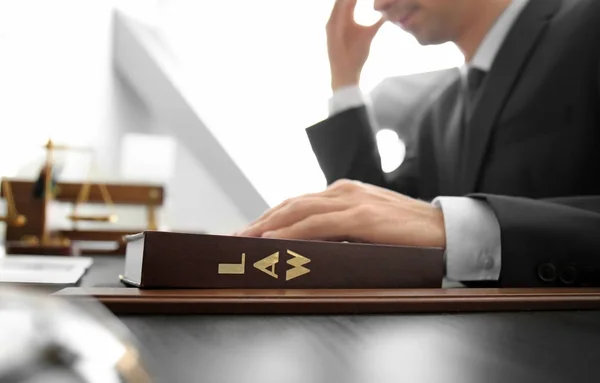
(473, 243)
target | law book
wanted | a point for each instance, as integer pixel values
(170, 260)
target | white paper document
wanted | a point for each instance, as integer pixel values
(43, 269)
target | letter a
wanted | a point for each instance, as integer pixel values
(268, 262)
(298, 261)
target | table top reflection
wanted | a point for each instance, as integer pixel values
(495, 347)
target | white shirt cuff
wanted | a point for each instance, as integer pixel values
(473, 247)
(346, 98)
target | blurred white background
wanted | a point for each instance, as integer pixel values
(259, 74)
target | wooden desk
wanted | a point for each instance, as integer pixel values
(497, 347)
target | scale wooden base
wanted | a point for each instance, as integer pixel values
(28, 248)
(71, 243)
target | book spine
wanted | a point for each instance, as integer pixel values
(174, 260)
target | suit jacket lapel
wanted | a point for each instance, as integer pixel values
(511, 59)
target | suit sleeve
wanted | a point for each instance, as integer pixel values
(554, 243)
(598, 79)
(346, 148)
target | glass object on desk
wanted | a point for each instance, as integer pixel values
(46, 339)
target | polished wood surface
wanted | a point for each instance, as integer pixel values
(463, 348)
(25, 248)
(467, 347)
(381, 301)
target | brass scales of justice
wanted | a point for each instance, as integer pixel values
(26, 216)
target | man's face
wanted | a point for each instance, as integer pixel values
(430, 21)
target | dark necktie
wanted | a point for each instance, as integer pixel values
(470, 92)
(472, 87)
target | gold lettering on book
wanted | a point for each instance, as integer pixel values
(298, 262)
(233, 268)
(268, 262)
(267, 266)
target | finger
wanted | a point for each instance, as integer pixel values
(282, 205)
(333, 226)
(361, 190)
(358, 192)
(345, 186)
(295, 212)
(337, 14)
(377, 26)
(343, 15)
(348, 8)
(384, 193)
(336, 9)
(396, 199)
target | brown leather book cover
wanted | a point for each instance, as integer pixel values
(157, 259)
(333, 301)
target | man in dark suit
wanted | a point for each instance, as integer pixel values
(509, 151)
(530, 128)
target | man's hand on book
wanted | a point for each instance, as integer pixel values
(353, 211)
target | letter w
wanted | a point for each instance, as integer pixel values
(298, 261)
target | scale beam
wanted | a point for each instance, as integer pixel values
(111, 218)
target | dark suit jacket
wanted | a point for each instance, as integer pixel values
(548, 243)
(535, 133)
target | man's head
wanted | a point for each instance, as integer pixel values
(435, 21)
